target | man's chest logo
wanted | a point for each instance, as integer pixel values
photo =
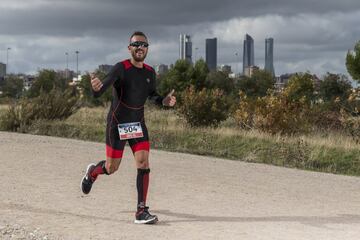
(148, 80)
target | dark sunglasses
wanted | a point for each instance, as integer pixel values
(138, 44)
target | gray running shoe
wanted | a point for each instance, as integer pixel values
(143, 216)
(87, 181)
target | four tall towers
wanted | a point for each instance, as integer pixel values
(248, 53)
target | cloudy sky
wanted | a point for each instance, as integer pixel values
(312, 35)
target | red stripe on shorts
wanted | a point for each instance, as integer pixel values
(113, 153)
(141, 146)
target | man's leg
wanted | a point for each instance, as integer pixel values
(107, 167)
(142, 179)
(141, 155)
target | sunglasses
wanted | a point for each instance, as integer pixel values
(138, 44)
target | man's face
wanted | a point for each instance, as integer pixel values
(138, 50)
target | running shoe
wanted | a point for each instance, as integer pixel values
(143, 216)
(87, 181)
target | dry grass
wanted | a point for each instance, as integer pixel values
(89, 116)
(333, 152)
(4, 106)
(169, 121)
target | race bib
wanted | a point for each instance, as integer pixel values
(130, 130)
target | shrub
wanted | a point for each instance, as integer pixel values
(278, 114)
(352, 128)
(274, 113)
(334, 86)
(257, 85)
(244, 114)
(203, 108)
(300, 85)
(49, 106)
(326, 116)
(352, 104)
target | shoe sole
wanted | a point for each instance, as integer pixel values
(87, 170)
(149, 221)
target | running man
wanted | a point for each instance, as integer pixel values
(132, 82)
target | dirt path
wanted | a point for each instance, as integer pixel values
(195, 197)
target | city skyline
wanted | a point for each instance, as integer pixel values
(309, 35)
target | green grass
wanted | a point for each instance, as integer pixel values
(333, 153)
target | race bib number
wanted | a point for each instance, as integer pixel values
(130, 130)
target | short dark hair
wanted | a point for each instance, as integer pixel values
(138, 33)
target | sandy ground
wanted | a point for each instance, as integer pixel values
(195, 197)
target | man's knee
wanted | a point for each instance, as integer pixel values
(143, 163)
(142, 159)
(112, 165)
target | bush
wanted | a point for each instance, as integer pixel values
(326, 116)
(274, 113)
(278, 114)
(244, 114)
(335, 86)
(352, 128)
(352, 104)
(48, 106)
(203, 108)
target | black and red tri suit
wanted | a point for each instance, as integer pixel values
(131, 87)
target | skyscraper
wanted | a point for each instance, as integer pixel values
(269, 55)
(185, 47)
(2, 70)
(211, 53)
(248, 53)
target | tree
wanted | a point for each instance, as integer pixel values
(198, 78)
(353, 62)
(204, 108)
(46, 81)
(300, 85)
(178, 78)
(85, 85)
(257, 85)
(333, 86)
(13, 87)
(220, 80)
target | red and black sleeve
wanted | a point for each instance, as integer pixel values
(115, 75)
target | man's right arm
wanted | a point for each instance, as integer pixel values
(115, 74)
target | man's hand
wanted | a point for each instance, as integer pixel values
(169, 100)
(96, 84)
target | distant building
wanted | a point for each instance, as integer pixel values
(2, 73)
(225, 68)
(269, 56)
(2, 70)
(75, 80)
(67, 74)
(105, 68)
(211, 53)
(185, 48)
(161, 69)
(248, 53)
(28, 81)
(249, 70)
(283, 80)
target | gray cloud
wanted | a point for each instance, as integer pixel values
(309, 35)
